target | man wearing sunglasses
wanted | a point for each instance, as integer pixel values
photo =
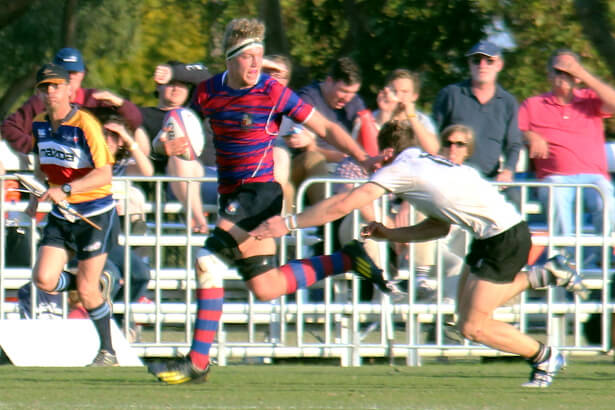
(565, 134)
(482, 104)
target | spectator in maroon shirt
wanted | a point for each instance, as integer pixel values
(16, 129)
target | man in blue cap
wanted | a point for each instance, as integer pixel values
(17, 127)
(482, 104)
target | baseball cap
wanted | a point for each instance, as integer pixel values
(486, 48)
(51, 73)
(70, 59)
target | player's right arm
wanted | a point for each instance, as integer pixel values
(33, 202)
(336, 136)
(186, 73)
(324, 211)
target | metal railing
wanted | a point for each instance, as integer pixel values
(334, 320)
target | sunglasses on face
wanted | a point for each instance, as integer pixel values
(476, 59)
(458, 144)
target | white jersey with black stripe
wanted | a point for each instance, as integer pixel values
(454, 193)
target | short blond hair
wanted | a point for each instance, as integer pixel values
(241, 29)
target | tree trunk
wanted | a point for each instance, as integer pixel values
(69, 24)
(355, 17)
(275, 36)
(593, 15)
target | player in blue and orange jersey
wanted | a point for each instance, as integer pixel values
(74, 158)
(245, 108)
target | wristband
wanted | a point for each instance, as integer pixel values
(290, 222)
(286, 223)
(133, 146)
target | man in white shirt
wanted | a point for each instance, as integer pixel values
(449, 194)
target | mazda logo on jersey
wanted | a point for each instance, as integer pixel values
(54, 153)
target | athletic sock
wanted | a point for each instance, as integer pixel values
(66, 281)
(543, 353)
(303, 273)
(539, 277)
(101, 316)
(209, 305)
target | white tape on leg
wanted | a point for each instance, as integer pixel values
(209, 269)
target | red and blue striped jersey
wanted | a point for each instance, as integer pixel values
(245, 123)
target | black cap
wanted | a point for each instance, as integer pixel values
(51, 73)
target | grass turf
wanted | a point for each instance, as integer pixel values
(585, 383)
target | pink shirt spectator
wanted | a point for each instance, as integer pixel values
(574, 132)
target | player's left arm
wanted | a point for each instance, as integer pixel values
(34, 200)
(94, 179)
(428, 229)
(103, 160)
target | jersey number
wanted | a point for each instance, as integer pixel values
(438, 159)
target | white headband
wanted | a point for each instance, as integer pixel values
(242, 46)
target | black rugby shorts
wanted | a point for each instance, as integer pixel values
(250, 204)
(501, 257)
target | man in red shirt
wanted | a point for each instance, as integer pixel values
(565, 134)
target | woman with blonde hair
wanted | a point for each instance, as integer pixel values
(457, 142)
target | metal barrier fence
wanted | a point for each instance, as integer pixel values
(334, 319)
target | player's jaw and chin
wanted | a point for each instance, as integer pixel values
(245, 69)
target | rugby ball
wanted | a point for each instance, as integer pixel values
(182, 123)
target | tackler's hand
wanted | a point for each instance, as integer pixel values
(273, 227)
(375, 230)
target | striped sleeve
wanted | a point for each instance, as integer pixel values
(290, 104)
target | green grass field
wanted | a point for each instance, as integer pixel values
(585, 384)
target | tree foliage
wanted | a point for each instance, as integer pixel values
(29, 40)
(429, 37)
(123, 40)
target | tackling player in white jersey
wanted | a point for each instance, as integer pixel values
(449, 194)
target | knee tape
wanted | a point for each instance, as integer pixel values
(253, 266)
(209, 268)
(223, 244)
